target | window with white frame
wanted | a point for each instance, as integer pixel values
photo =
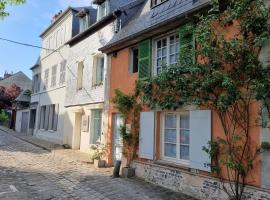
(176, 137)
(84, 23)
(166, 52)
(98, 70)
(46, 79)
(62, 78)
(54, 75)
(102, 10)
(96, 121)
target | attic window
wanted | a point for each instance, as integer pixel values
(156, 2)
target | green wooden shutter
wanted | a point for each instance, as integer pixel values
(187, 44)
(145, 59)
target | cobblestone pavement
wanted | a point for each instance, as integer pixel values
(28, 172)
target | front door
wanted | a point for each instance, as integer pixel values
(118, 143)
(24, 125)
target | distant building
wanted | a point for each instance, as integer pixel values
(19, 78)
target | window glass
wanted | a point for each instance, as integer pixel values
(98, 70)
(167, 52)
(134, 60)
(84, 23)
(96, 126)
(102, 10)
(176, 137)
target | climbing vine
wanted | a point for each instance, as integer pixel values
(129, 107)
(226, 76)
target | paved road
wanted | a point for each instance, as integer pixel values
(28, 172)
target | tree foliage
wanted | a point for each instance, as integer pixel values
(4, 3)
(227, 77)
(8, 94)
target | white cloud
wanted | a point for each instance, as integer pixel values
(65, 3)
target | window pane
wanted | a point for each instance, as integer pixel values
(170, 121)
(135, 60)
(184, 122)
(170, 150)
(159, 53)
(164, 42)
(184, 152)
(172, 59)
(184, 136)
(96, 129)
(170, 135)
(164, 51)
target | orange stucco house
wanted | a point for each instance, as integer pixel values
(170, 150)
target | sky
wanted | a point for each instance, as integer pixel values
(25, 24)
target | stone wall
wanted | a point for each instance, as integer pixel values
(192, 184)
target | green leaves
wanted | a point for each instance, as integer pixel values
(4, 3)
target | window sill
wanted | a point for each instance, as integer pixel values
(97, 85)
(165, 163)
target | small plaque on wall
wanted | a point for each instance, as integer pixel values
(85, 123)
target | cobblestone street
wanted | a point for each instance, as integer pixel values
(28, 172)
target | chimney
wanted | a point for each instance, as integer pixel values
(55, 17)
(6, 74)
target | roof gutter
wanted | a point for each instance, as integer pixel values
(95, 27)
(124, 42)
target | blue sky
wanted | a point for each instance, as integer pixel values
(25, 24)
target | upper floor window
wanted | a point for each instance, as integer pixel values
(36, 83)
(84, 22)
(156, 2)
(62, 78)
(46, 79)
(134, 60)
(98, 70)
(166, 52)
(54, 75)
(80, 75)
(102, 10)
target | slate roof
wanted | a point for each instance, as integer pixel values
(76, 9)
(20, 79)
(116, 8)
(161, 14)
(23, 98)
(37, 64)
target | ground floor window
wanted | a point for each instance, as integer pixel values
(96, 121)
(49, 117)
(176, 136)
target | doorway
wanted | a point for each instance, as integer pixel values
(24, 124)
(117, 139)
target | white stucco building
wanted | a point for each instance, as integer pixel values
(48, 114)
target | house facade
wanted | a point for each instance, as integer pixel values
(87, 83)
(170, 142)
(48, 114)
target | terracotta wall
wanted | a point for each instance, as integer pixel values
(121, 79)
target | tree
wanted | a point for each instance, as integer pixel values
(4, 3)
(8, 94)
(227, 78)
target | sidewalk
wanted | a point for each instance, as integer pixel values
(49, 146)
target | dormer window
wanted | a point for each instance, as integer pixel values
(83, 20)
(156, 2)
(102, 10)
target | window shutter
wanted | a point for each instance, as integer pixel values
(55, 118)
(46, 121)
(145, 59)
(147, 131)
(186, 44)
(200, 135)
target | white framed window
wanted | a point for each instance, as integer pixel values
(62, 78)
(84, 23)
(54, 75)
(176, 137)
(98, 70)
(46, 79)
(166, 52)
(102, 10)
(80, 75)
(96, 126)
